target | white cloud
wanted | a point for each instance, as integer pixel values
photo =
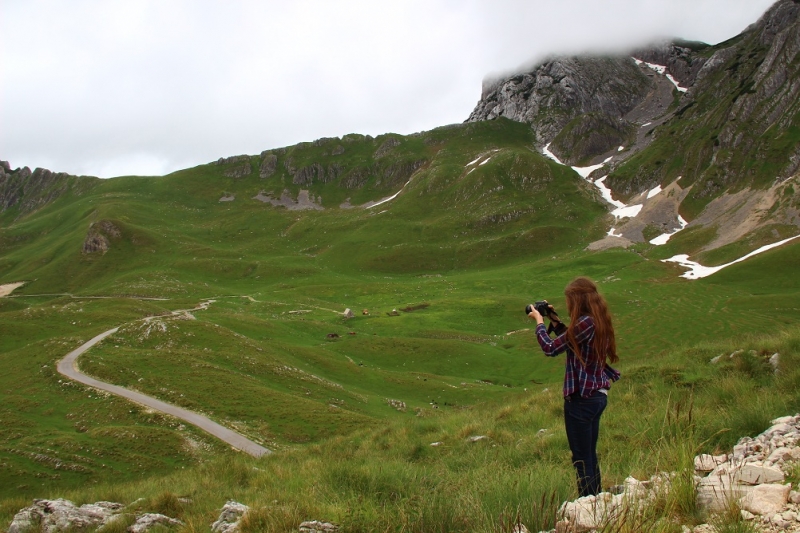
(149, 87)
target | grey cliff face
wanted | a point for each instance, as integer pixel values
(28, 190)
(559, 90)
(782, 15)
(269, 163)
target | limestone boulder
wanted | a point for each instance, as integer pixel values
(229, 517)
(706, 463)
(754, 474)
(148, 521)
(317, 526)
(51, 516)
(766, 499)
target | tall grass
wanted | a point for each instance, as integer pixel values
(392, 479)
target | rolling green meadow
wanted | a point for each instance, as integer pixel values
(439, 349)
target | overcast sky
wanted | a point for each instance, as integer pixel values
(110, 88)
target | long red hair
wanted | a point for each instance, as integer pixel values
(582, 300)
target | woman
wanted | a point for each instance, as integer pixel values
(590, 345)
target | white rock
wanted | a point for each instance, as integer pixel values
(519, 528)
(766, 499)
(348, 313)
(794, 497)
(149, 520)
(747, 515)
(563, 526)
(778, 521)
(706, 463)
(783, 420)
(716, 493)
(781, 455)
(633, 486)
(59, 515)
(778, 429)
(590, 512)
(774, 362)
(229, 517)
(317, 526)
(753, 474)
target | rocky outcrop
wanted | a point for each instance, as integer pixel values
(99, 237)
(317, 526)
(314, 173)
(590, 134)
(238, 166)
(389, 175)
(148, 521)
(229, 517)
(305, 201)
(386, 174)
(239, 171)
(386, 147)
(552, 94)
(50, 516)
(269, 162)
(28, 190)
(751, 478)
(55, 516)
(232, 159)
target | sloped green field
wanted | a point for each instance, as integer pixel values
(443, 271)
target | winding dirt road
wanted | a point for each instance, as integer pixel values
(68, 367)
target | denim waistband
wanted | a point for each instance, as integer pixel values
(594, 394)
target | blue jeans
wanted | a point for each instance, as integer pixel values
(582, 422)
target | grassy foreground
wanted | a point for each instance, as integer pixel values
(393, 479)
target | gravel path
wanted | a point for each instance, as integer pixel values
(68, 366)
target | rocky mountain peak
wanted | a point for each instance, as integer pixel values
(559, 90)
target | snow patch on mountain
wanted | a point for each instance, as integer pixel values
(697, 271)
(663, 239)
(661, 69)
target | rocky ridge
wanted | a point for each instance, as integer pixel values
(561, 90)
(27, 190)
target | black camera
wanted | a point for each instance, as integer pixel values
(543, 307)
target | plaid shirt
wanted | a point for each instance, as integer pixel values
(584, 379)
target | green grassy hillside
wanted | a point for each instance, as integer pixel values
(483, 225)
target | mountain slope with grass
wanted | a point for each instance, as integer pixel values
(722, 139)
(272, 356)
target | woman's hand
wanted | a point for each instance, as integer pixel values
(534, 314)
